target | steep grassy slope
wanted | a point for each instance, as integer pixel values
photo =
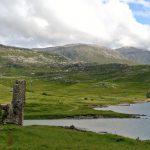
(135, 54)
(88, 53)
(54, 138)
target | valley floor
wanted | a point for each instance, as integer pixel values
(71, 91)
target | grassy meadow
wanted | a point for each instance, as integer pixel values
(60, 91)
(73, 90)
(56, 138)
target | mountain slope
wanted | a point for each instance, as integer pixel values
(139, 55)
(15, 55)
(87, 53)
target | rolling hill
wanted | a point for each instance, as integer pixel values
(141, 56)
(23, 56)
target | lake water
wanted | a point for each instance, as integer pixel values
(138, 108)
(133, 128)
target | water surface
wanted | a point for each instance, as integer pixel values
(138, 108)
(132, 128)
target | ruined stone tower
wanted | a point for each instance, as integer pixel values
(18, 101)
(13, 113)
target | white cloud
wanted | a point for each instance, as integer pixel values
(33, 23)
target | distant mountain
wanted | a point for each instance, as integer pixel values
(73, 53)
(15, 55)
(141, 56)
(87, 53)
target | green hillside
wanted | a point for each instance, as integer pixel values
(57, 91)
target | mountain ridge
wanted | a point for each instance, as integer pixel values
(87, 53)
(25, 56)
(73, 53)
(142, 56)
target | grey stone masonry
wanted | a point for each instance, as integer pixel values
(13, 113)
(148, 94)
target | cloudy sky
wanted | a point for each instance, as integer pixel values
(40, 23)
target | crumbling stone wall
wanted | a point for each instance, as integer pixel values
(13, 113)
(148, 94)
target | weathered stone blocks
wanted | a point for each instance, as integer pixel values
(148, 94)
(13, 113)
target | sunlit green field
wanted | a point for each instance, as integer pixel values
(55, 138)
(72, 91)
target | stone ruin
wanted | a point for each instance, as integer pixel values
(13, 113)
(148, 94)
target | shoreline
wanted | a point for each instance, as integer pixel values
(94, 115)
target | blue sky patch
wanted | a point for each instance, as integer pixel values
(141, 13)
